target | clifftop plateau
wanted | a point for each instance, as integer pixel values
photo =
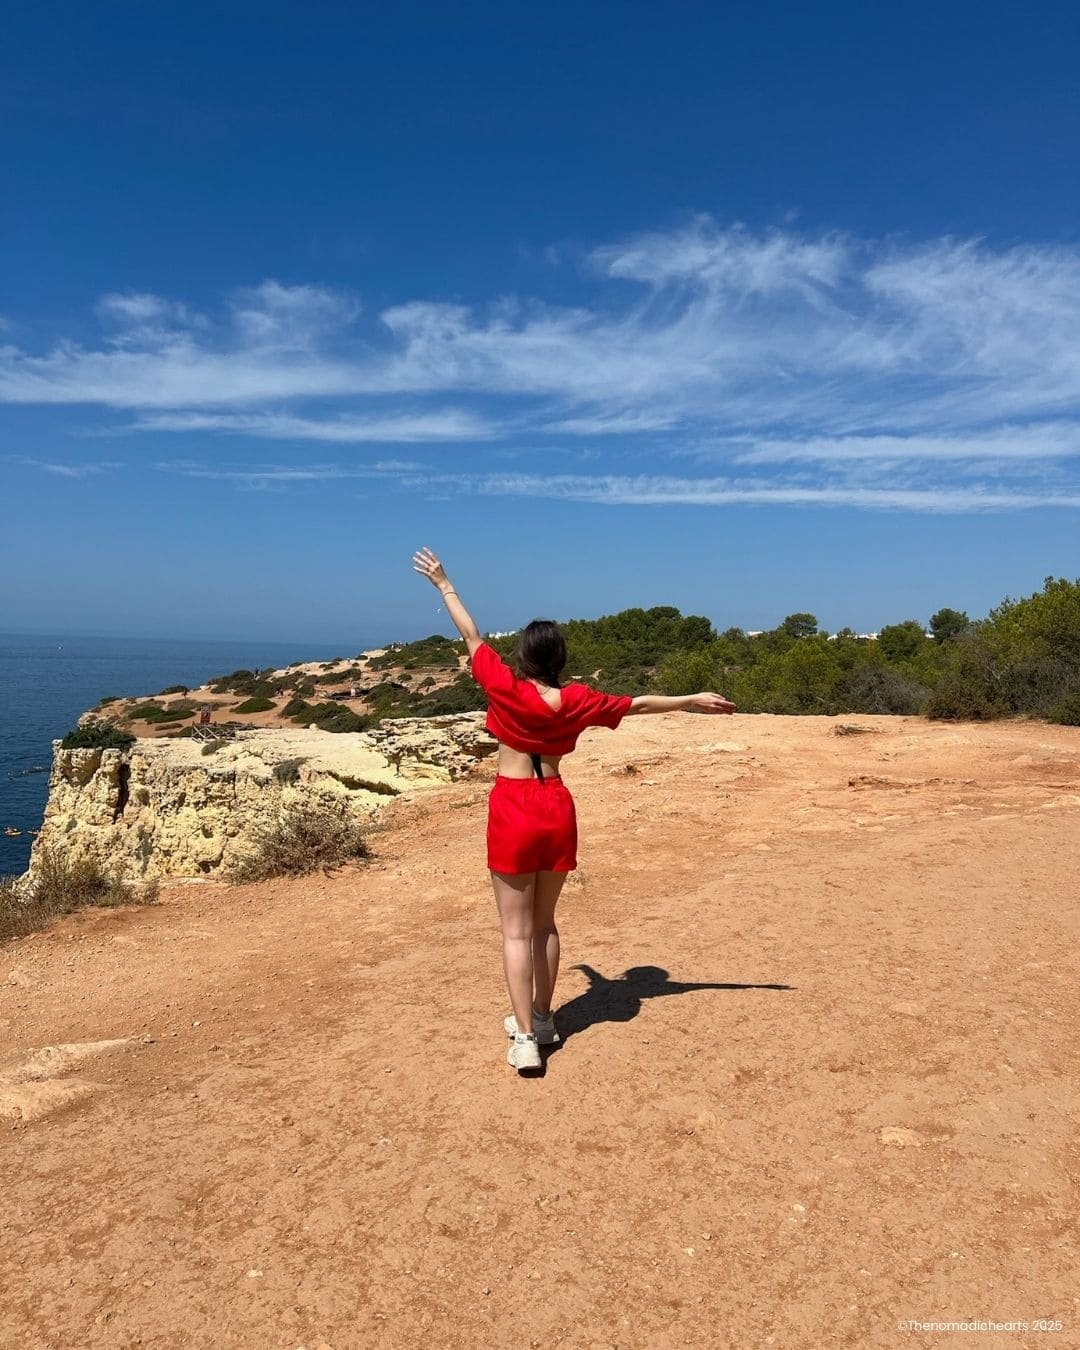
(176, 808)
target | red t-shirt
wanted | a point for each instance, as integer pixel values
(519, 717)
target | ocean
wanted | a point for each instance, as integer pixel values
(48, 681)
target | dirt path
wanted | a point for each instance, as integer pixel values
(820, 1070)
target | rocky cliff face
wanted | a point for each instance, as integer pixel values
(165, 808)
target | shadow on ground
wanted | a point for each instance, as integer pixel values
(620, 1000)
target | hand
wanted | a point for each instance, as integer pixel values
(426, 563)
(711, 703)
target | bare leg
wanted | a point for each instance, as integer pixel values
(514, 897)
(545, 941)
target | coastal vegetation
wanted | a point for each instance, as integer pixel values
(161, 714)
(1023, 658)
(306, 838)
(432, 653)
(325, 716)
(60, 885)
(255, 705)
(95, 735)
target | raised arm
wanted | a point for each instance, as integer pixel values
(426, 563)
(698, 703)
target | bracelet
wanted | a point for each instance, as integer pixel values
(451, 591)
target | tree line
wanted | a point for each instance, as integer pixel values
(1022, 658)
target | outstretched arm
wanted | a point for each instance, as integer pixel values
(699, 703)
(426, 563)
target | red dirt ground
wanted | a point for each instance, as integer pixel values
(820, 1070)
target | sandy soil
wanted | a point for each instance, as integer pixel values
(820, 1070)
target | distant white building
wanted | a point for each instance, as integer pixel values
(509, 634)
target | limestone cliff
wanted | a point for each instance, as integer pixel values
(165, 808)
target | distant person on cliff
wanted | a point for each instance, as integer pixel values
(531, 825)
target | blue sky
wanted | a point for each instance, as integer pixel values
(746, 308)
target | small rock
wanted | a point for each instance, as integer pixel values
(902, 1138)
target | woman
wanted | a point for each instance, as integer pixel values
(532, 827)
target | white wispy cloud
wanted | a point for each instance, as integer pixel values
(657, 489)
(286, 473)
(84, 470)
(758, 348)
(613, 423)
(446, 424)
(645, 490)
(291, 318)
(1040, 441)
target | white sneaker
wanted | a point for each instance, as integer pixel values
(524, 1052)
(543, 1026)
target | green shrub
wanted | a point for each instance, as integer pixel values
(954, 701)
(174, 689)
(873, 688)
(434, 652)
(142, 712)
(688, 671)
(391, 699)
(326, 716)
(94, 735)
(1067, 713)
(250, 683)
(255, 705)
(224, 684)
(305, 839)
(898, 642)
(337, 718)
(462, 695)
(60, 886)
(947, 624)
(971, 686)
(1046, 624)
(155, 713)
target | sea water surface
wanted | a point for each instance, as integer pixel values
(48, 681)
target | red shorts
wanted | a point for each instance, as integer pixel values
(532, 826)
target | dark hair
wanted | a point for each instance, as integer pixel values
(541, 652)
